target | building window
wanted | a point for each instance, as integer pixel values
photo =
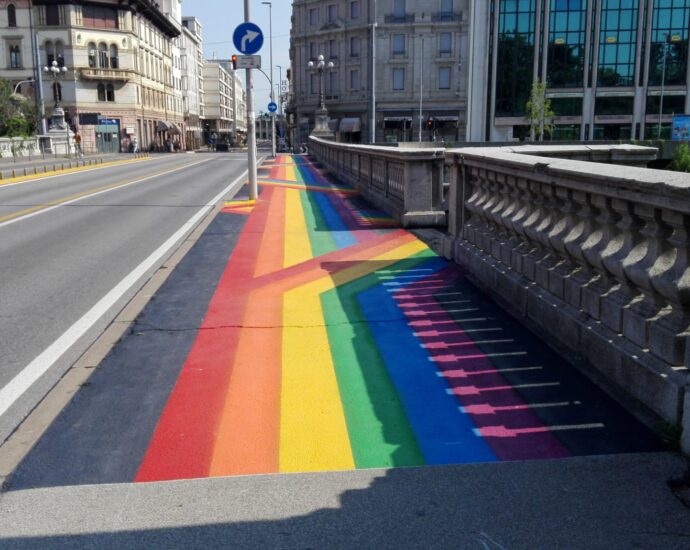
(445, 43)
(50, 53)
(444, 78)
(669, 41)
(314, 16)
(355, 44)
(566, 49)
(614, 106)
(514, 57)
(446, 7)
(354, 79)
(566, 106)
(617, 41)
(15, 57)
(398, 79)
(52, 15)
(332, 83)
(333, 49)
(103, 55)
(398, 44)
(101, 92)
(11, 16)
(354, 10)
(332, 13)
(57, 92)
(673, 104)
(313, 84)
(92, 55)
(114, 59)
(60, 53)
(399, 8)
(99, 17)
(110, 93)
(312, 50)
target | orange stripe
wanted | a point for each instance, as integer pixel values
(271, 250)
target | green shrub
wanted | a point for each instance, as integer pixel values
(681, 160)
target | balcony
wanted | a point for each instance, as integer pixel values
(407, 18)
(122, 75)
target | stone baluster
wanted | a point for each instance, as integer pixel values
(530, 227)
(478, 196)
(638, 315)
(521, 216)
(500, 233)
(508, 217)
(627, 237)
(552, 216)
(566, 222)
(670, 275)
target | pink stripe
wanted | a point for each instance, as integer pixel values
(512, 430)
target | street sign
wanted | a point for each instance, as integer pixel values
(248, 38)
(272, 107)
(248, 62)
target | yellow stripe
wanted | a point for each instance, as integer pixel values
(313, 430)
(297, 244)
(291, 173)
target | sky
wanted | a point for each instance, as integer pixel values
(219, 19)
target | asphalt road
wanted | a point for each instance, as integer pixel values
(67, 242)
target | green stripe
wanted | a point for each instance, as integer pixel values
(380, 434)
(320, 238)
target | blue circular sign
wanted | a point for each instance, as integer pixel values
(248, 38)
(272, 107)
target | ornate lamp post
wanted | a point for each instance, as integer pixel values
(57, 119)
(321, 128)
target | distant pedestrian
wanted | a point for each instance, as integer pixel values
(135, 145)
(77, 144)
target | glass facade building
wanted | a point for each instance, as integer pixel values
(614, 69)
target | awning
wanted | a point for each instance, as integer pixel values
(446, 118)
(174, 130)
(162, 126)
(396, 118)
(333, 125)
(348, 125)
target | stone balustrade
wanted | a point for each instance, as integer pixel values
(405, 183)
(595, 255)
(18, 147)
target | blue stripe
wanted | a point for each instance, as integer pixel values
(444, 433)
(341, 234)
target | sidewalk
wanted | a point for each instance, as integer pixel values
(307, 332)
(7, 165)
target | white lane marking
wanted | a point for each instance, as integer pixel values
(40, 365)
(84, 197)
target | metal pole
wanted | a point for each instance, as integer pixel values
(273, 97)
(251, 128)
(372, 121)
(421, 86)
(663, 79)
(39, 82)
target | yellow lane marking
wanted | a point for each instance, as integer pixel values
(53, 173)
(90, 192)
(313, 429)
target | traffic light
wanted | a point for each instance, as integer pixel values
(430, 123)
(234, 62)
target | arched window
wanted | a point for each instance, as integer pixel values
(50, 53)
(110, 93)
(113, 57)
(103, 55)
(101, 92)
(57, 92)
(92, 54)
(11, 16)
(60, 53)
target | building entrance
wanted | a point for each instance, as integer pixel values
(108, 136)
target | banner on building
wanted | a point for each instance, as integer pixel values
(681, 128)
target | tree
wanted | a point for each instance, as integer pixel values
(18, 115)
(681, 160)
(539, 114)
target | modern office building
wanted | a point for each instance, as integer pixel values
(614, 69)
(219, 102)
(414, 85)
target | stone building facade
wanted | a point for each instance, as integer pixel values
(192, 62)
(419, 51)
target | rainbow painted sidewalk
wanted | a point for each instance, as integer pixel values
(336, 340)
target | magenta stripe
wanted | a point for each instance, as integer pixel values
(502, 417)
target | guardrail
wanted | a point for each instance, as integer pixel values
(406, 183)
(596, 255)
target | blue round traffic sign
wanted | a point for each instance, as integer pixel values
(248, 38)
(272, 107)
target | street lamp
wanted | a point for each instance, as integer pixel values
(57, 119)
(321, 128)
(16, 87)
(273, 97)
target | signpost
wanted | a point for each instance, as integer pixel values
(248, 40)
(272, 107)
(248, 62)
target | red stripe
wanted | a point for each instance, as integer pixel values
(183, 441)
